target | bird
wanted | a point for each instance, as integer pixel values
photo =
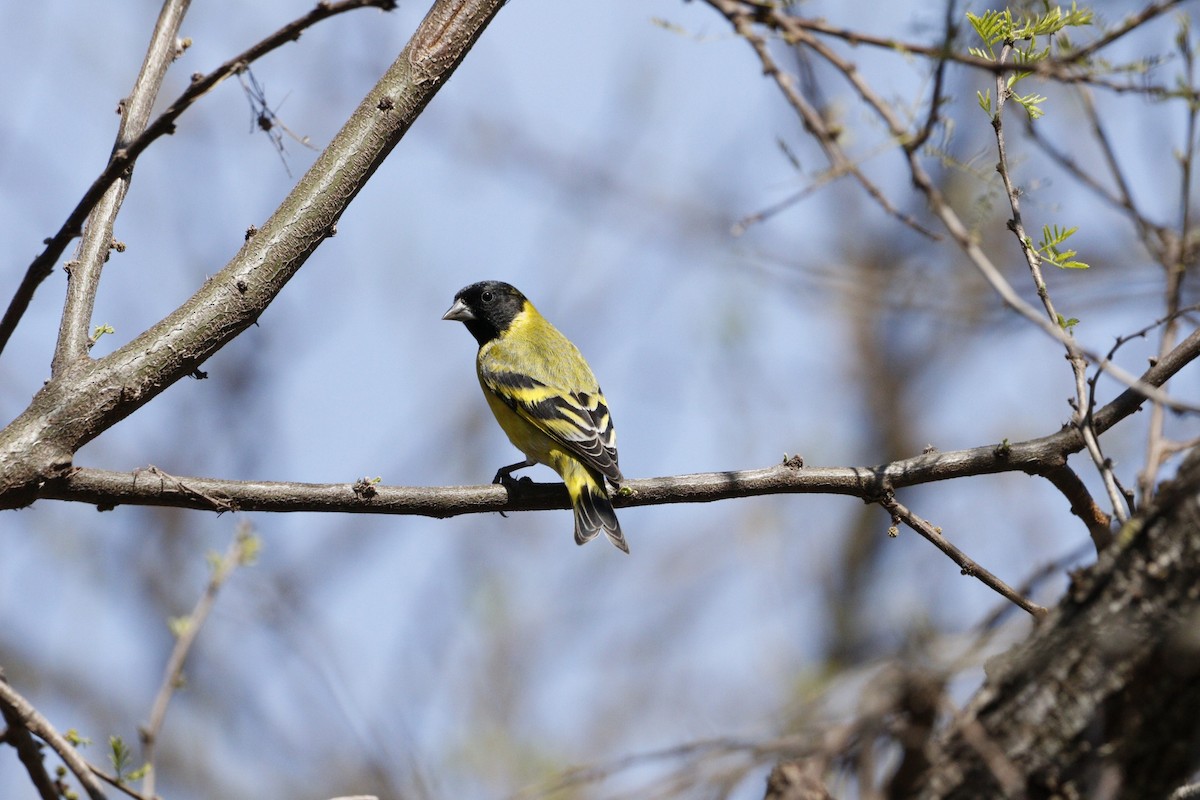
(546, 399)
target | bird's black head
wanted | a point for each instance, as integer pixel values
(487, 308)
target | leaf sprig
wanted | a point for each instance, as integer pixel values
(1049, 249)
(1021, 35)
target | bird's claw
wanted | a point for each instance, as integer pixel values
(510, 483)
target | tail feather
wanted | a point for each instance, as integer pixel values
(594, 511)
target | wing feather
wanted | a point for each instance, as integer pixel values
(578, 420)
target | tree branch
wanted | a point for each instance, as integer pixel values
(940, 207)
(1045, 456)
(1064, 69)
(18, 710)
(239, 553)
(123, 158)
(968, 565)
(83, 273)
(88, 397)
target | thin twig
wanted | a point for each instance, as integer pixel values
(939, 80)
(83, 276)
(969, 567)
(814, 123)
(1083, 400)
(1066, 69)
(240, 552)
(1175, 263)
(123, 159)
(737, 12)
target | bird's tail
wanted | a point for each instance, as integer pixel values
(593, 508)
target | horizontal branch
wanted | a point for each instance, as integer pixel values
(1066, 67)
(1045, 456)
(151, 486)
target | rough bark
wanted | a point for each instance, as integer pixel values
(1103, 699)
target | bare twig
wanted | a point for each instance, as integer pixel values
(937, 201)
(123, 158)
(240, 553)
(1175, 263)
(814, 122)
(18, 710)
(969, 567)
(83, 275)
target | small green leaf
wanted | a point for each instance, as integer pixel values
(1067, 324)
(178, 626)
(985, 101)
(99, 331)
(249, 546)
(75, 739)
(118, 755)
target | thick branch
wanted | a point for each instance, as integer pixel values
(107, 489)
(88, 397)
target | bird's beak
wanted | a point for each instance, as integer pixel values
(459, 311)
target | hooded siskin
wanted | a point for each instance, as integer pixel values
(546, 399)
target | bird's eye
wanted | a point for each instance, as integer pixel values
(487, 297)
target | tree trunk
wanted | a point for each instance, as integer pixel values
(1103, 699)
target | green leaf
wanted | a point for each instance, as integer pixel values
(178, 626)
(1049, 249)
(985, 101)
(118, 755)
(75, 739)
(249, 546)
